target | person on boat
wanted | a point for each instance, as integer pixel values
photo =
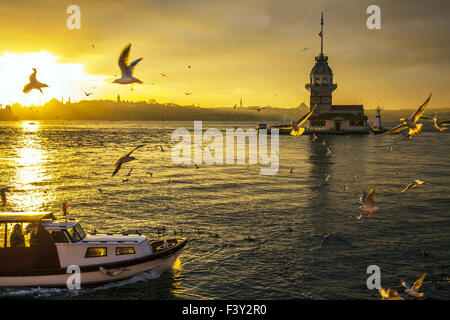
(32, 229)
(17, 239)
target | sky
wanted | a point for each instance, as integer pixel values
(249, 49)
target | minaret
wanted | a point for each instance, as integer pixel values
(321, 80)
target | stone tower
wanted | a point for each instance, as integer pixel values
(321, 81)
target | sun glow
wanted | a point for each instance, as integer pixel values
(63, 79)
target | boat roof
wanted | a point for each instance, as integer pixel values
(25, 216)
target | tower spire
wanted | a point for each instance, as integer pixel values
(321, 35)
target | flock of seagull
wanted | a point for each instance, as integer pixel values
(367, 199)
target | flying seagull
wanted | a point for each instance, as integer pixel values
(295, 125)
(34, 84)
(389, 294)
(127, 69)
(414, 128)
(438, 124)
(412, 184)
(124, 159)
(87, 93)
(367, 200)
(413, 291)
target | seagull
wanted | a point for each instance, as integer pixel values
(327, 176)
(367, 200)
(304, 49)
(413, 291)
(34, 84)
(87, 93)
(124, 159)
(414, 128)
(326, 236)
(295, 125)
(235, 106)
(329, 152)
(196, 166)
(438, 124)
(3, 194)
(390, 147)
(412, 184)
(389, 294)
(163, 74)
(346, 187)
(127, 69)
(292, 170)
(129, 173)
(149, 173)
(314, 137)
(188, 93)
(162, 149)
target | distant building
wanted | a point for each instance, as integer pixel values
(329, 117)
(7, 115)
(377, 122)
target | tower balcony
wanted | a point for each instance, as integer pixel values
(321, 86)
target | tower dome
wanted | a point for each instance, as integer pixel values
(321, 73)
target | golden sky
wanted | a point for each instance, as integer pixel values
(249, 49)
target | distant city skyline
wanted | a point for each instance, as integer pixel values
(215, 53)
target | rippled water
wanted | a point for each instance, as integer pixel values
(285, 215)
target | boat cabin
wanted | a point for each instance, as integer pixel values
(32, 241)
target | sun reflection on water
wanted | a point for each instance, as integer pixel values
(31, 173)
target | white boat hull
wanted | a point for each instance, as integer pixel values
(89, 278)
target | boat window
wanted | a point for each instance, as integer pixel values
(96, 252)
(15, 235)
(74, 236)
(124, 250)
(59, 236)
(80, 231)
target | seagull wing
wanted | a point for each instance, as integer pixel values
(370, 198)
(409, 186)
(134, 63)
(118, 166)
(396, 129)
(419, 112)
(418, 283)
(282, 126)
(362, 198)
(123, 61)
(383, 293)
(305, 117)
(405, 285)
(129, 153)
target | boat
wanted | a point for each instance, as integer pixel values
(37, 249)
